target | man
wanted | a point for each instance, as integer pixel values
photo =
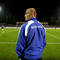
(2, 27)
(31, 40)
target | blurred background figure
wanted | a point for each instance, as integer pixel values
(2, 28)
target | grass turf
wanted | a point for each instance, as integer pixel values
(8, 51)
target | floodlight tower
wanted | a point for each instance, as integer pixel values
(0, 9)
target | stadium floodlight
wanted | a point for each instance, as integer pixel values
(0, 8)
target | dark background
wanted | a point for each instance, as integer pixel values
(13, 11)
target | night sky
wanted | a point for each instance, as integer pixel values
(18, 8)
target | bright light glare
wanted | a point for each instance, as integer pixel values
(0, 8)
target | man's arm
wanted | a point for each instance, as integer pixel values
(20, 43)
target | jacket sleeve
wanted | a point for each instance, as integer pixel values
(20, 43)
(44, 38)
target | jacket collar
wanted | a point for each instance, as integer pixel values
(32, 19)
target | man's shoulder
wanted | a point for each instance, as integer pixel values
(40, 24)
(24, 25)
(29, 23)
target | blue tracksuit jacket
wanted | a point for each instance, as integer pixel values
(31, 40)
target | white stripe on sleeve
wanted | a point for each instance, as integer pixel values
(26, 29)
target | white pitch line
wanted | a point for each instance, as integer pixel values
(7, 42)
(53, 28)
(53, 43)
(11, 27)
(11, 31)
(49, 43)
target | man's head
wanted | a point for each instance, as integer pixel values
(30, 13)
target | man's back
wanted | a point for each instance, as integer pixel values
(35, 41)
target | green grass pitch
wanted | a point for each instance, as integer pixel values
(8, 40)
